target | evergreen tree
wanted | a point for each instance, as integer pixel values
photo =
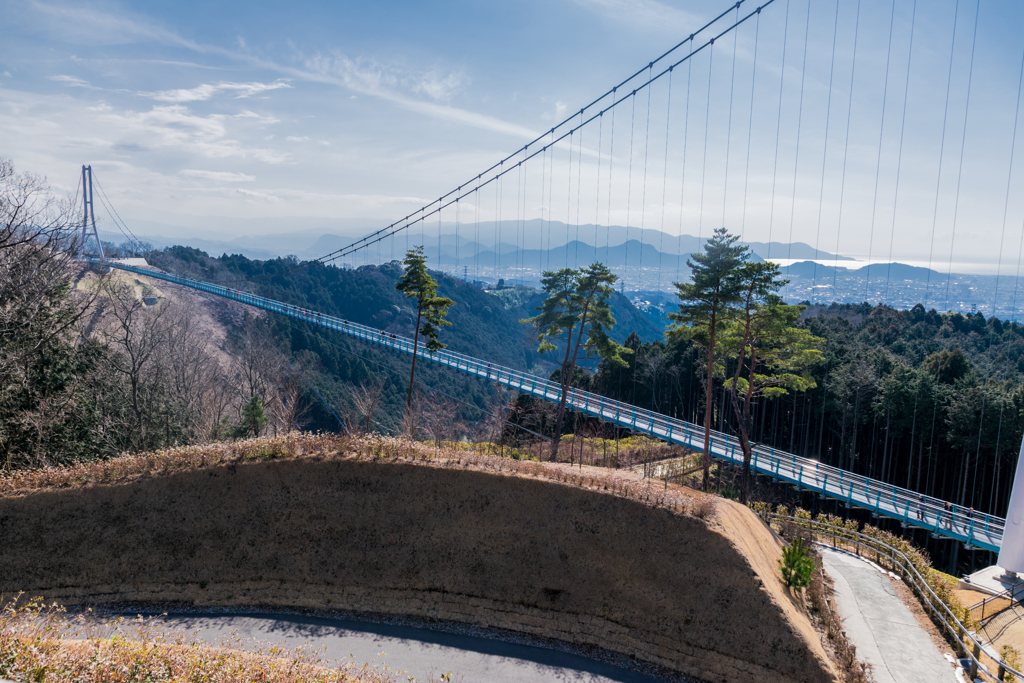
(254, 418)
(704, 306)
(416, 283)
(771, 355)
(577, 313)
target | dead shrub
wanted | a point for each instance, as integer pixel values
(40, 642)
(704, 506)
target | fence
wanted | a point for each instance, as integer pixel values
(967, 642)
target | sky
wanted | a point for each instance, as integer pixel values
(351, 115)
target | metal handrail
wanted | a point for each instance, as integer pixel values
(981, 530)
(910, 575)
(1011, 594)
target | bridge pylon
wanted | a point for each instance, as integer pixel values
(88, 212)
(1011, 550)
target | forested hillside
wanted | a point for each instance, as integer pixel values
(929, 401)
(485, 324)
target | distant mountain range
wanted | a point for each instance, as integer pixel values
(312, 238)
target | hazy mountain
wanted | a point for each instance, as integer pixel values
(890, 271)
(310, 238)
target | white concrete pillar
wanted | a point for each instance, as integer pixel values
(1011, 550)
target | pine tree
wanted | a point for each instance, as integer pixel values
(704, 306)
(578, 313)
(770, 353)
(416, 283)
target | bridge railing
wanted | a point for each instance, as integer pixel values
(912, 509)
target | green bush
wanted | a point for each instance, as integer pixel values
(796, 564)
(1012, 658)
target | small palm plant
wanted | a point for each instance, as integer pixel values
(796, 564)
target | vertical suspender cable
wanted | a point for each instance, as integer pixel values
(846, 143)
(611, 162)
(664, 188)
(824, 152)
(457, 207)
(778, 130)
(750, 126)
(682, 178)
(519, 187)
(704, 161)
(543, 208)
(800, 121)
(1009, 176)
(597, 183)
(963, 144)
(728, 126)
(878, 163)
(899, 155)
(629, 190)
(579, 179)
(568, 199)
(942, 149)
(643, 194)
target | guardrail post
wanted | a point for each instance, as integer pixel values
(974, 661)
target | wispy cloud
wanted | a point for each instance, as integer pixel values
(219, 176)
(205, 91)
(74, 81)
(260, 196)
(297, 138)
(642, 14)
(425, 92)
(177, 127)
(371, 79)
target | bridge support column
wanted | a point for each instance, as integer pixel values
(1011, 550)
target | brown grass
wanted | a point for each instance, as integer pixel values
(133, 467)
(591, 556)
(40, 643)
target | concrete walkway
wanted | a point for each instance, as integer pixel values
(416, 652)
(885, 632)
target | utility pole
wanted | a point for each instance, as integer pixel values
(88, 214)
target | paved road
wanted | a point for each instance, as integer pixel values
(421, 653)
(885, 632)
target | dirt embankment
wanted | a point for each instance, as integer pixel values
(512, 552)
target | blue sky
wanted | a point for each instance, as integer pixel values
(361, 112)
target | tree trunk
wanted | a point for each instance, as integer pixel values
(415, 346)
(709, 398)
(566, 378)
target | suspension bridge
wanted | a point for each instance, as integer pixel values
(714, 162)
(979, 530)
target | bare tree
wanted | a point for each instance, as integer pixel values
(136, 335)
(292, 406)
(440, 419)
(411, 421)
(366, 400)
(257, 367)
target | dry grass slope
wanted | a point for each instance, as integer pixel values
(40, 643)
(378, 525)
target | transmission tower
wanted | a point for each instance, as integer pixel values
(88, 214)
